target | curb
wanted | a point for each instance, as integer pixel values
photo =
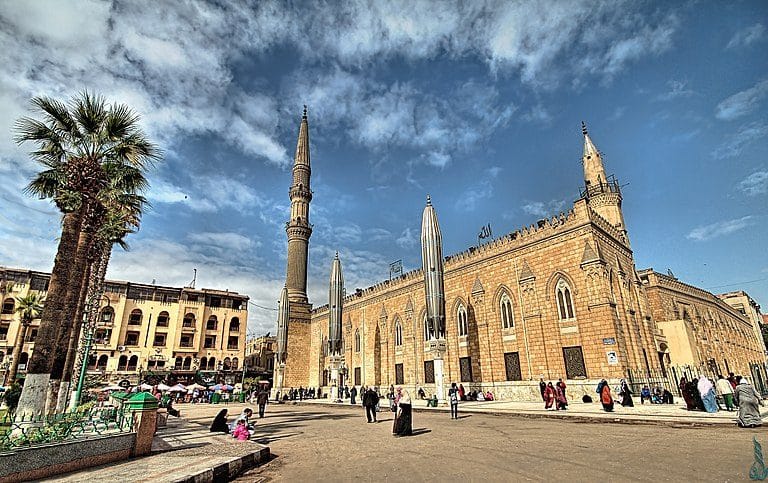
(229, 469)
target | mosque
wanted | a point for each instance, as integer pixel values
(560, 298)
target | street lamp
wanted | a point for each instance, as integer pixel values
(87, 349)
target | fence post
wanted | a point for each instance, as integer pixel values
(143, 407)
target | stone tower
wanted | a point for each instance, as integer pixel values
(298, 230)
(601, 192)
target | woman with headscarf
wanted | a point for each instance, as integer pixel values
(403, 423)
(748, 400)
(549, 397)
(693, 388)
(626, 394)
(560, 397)
(219, 424)
(690, 403)
(707, 391)
(604, 390)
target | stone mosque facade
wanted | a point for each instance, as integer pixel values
(560, 298)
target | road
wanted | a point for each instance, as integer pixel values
(321, 443)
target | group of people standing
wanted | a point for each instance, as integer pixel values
(553, 395)
(624, 395)
(700, 394)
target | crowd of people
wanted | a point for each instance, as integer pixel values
(702, 394)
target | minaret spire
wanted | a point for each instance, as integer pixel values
(298, 227)
(594, 172)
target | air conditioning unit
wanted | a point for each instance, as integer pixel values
(121, 348)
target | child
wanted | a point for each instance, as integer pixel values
(241, 431)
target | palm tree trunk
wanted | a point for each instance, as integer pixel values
(20, 338)
(32, 401)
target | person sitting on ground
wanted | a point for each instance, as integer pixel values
(241, 432)
(245, 415)
(489, 396)
(645, 393)
(667, 397)
(219, 424)
(422, 394)
(480, 396)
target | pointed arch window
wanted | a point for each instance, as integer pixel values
(564, 300)
(461, 319)
(507, 316)
(398, 334)
(357, 340)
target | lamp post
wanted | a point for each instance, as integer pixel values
(87, 348)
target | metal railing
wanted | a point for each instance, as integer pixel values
(32, 431)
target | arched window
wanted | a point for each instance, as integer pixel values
(357, 340)
(135, 317)
(212, 364)
(189, 320)
(92, 361)
(133, 362)
(507, 316)
(102, 364)
(162, 319)
(203, 363)
(8, 305)
(325, 345)
(212, 323)
(235, 362)
(398, 334)
(227, 364)
(187, 363)
(122, 363)
(178, 363)
(564, 300)
(107, 315)
(234, 325)
(461, 318)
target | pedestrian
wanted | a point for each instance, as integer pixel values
(346, 392)
(241, 432)
(747, 399)
(604, 390)
(403, 425)
(262, 398)
(549, 397)
(626, 394)
(562, 400)
(301, 393)
(462, 393)
(219, 424)
(370, 400)
(707, 391)
(645, 393)
(453, 396)
(542, 388)
(352, 395)
(422, 394)
(685, 390)
(693, 388)
(725, 390)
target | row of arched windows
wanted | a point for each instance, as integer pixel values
(136, 318)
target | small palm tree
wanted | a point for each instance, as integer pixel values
(29, 309)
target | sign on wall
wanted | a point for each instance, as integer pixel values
(613, 359)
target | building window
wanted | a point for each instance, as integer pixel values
(133, 362)
(159, 340)
(212, 364)
(232, 343)
(358, 378)
(212, 323)
(186, 341)
(189, 320)
(357, 340)
(210, 342)
(574, 363)
(177, 365)
(122, 363)
(203, 363)
(187, 363)
(131, 338)
(512, 366)
(398, 334)
(227, 364)
(465, 369)
(564, 300)
(235, 363)
(102, 336)
(461, 315)
(4, 332)
(162, 319)
(32, 335)
(215, 302)
(135, 317)
(107, 316)
(429, 372)
(102, 363)
(399, 377)
(234, 325)
(507, 316)
(8, 305)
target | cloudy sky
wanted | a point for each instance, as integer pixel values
(477, 103)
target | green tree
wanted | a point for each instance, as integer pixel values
(79, 144)
(29, 309)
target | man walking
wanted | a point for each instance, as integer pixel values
(353, 394)
(453, 395)
(261, 399)
(370, 400)
(726, 390)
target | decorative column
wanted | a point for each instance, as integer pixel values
(432, 264)
(282, 340)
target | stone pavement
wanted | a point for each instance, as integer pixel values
(184, 451)
(668, 414)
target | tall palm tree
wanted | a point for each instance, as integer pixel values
(28, 308)
(76, 143)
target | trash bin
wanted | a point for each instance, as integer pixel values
(216, 398)
(241, 397)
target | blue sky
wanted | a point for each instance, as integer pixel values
(478, 104)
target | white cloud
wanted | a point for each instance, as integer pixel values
(754, 184)
(226, 241)
(210, 194)
(543, 208)
(747, 36)
(479, 191)
(742, 103)
(745, 135)
(407, 240)
(720, 228)
(677, 88)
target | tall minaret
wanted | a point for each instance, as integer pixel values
(434, 291)
(298, 228)
(601, 192)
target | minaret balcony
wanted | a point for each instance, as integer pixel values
(300, 192)
(593, 189)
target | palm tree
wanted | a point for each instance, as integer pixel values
(29, 309)
(77, 144)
